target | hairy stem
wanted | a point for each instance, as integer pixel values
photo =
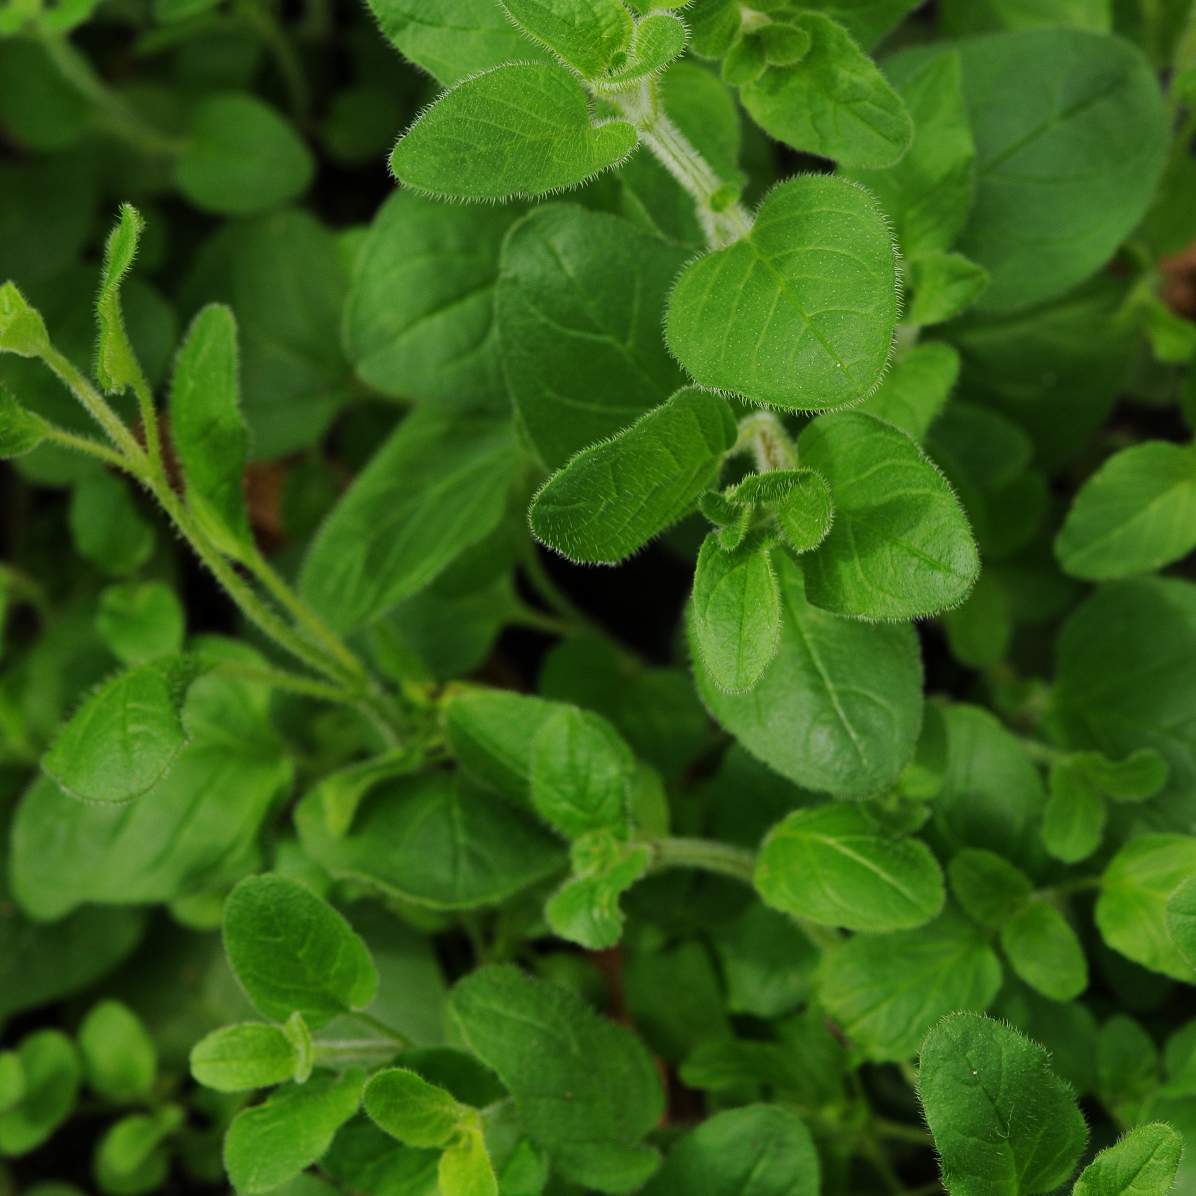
(706, 854)
(765, 436)
(400, 1040)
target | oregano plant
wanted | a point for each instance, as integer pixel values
(598, 597)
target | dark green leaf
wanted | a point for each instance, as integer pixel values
(1044, 951)
(1074, 819)
(119, 1057)
(140, 622)
(107, 527)
(988, 887)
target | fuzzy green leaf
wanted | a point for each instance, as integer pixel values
(833, 102)
(800, 313)
(659, 38)
(1143, 1163)
(1003, 1123)
(736, 615)
(834, 864)
(20, 431)
(409, 1108)
(140, 622)
(516, 130)
(614, 497)
(915, 390)
(237, 1058)
(292, 951)
(587, 34)
(900, 545)
(117, 367)
(585, 909)
(124, 737)
(22, 329)
(1180, 919)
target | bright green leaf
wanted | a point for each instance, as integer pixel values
(915, 390)
(987, 886)
(140, 622)
(119, 1056)
(587, 34)
(585, 909)
(1044, 951)
(1073, 822)
(20, 431)
(22, 329)
(412, 1110)
(1143, 1163)
(944, 284)
(1180, 919)
(117, 367)
(237, 1058)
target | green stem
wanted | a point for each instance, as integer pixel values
(132, 455)
(400, 1040)
(723, 222)
(280, 679)
(706, 854)
(765, 436)
(84, 444)
(882, 1127)
(110, 112)
(1081, 884)
(324, 1052)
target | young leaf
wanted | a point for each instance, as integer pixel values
(735, 619)
(22, 329)
(1003, 1123)
(944, 284)
(1044, 951)
(419, 320)
(241, 157)
(465, 1168)
(659, 38)
(578, 307)
(20, 431)
(615, 496)
(1051, 111)
(209, 434)
(585, 909)
(834, 864)
(833, 102)
(1131, 909)
(50, 1065)
(516, 130)
(887, 990)
(140, 622)
(125, 737)
(586, 1089)
(900, 545)
(119, 1056)
(412, 1110)
(838, 709)
(927, 193)
(1135, 514)
(800, 313)
(237, 1058)
(1143, 1163)
(764, 1150)
(268, 1145)
(130, 1158)
(1074, 819)
(292, 951)
(117, 367)
(434, 488)
(915, 390)
(587, 34)
(987, 886)
(582, 773)
(107, 527)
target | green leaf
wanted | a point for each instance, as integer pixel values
(586, 1089)
(578, 307)
(735, 619)
(585, 909)
(12, 1080)
(944, 284)
(435, 840)
(140, 622)
(838, 709)
(900, 545)
(465, 1168)
(268, 1145)
(516, 130)
(125, 737)
(419, 320)
(1139, 776)
(764, 1150)
(117, 367)
(915, 390)
(587, 34)
(1143, 1163)
(800, 313)
(988, 887)
(1044, 951)
(1070, 139)
(659, 38)
(119, 1056)
(987, 16)
(412, 1110)
(51, 1068)
(834, 864)
(980, 629)
(195, 830)
(131, 1159)
(1073, 822)
(1124, 669)
(1135, 514)
(241, 157)
(927, 193)
(22, 329)
(292, 951)
(434, 488)
(107, 527)
(1127, 1067)
(866, 20)
(1180, 919)
(887, 990)
(20, 431)
(237, 1058)
(1003, 1122)
(456, 39)
(340, 793)
(833, 102)
(208, 431)
(582, 773)
(1131, 909)
(614, 497)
